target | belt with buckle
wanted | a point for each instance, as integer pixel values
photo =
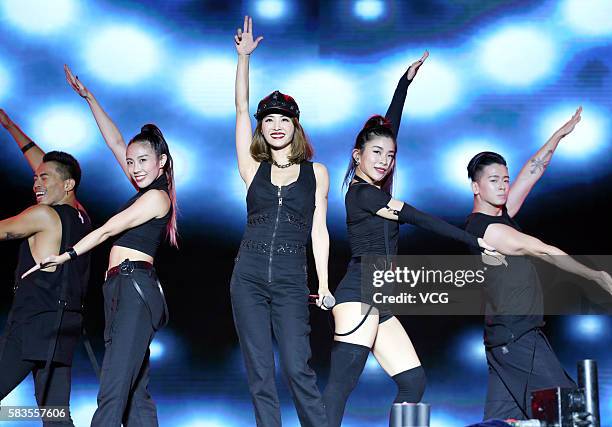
(126, 267)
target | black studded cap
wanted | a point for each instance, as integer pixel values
(278, 103)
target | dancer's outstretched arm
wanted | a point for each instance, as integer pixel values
(533, 170)
(245, 45)
(378, 202)
(31, 151)
(113, 138)
(152, 204)
(319, 233)
(509, 241)
(394, 112)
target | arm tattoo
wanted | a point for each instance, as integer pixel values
(13, 236)
(539, 164)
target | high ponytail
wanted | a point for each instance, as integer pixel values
(153, 135)
(375, 126)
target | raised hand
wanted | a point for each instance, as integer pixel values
(245, 44)
(569, 126)
(5, 121)
(75, 83)
(50, 261)
(414, 67)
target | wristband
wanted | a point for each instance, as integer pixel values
(27, 147)
(72, 253)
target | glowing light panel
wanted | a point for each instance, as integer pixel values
(4, 82)
(457, 158)
(325, 96)
(588, 17)
(64, 127)
(39, 16)
(207, 86)
(369, 9)
(270, 9)
(122, 55)
(518, 56)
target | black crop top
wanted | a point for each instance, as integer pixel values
(146, 237)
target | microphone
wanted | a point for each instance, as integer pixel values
(328, 301)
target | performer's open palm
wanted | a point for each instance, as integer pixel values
(569, 126)
(244, 38)
(50, 261)
(75, 83)
(414, 67)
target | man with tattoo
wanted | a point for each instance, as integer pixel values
(44, 322)
(519, 356)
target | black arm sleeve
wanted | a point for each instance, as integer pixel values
(394, 113)
(411, 215)
(370, 198)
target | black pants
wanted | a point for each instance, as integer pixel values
(131, 322)
(259, 308)
(517, 369)
(13, 370)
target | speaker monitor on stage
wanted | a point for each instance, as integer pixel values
(570, 407)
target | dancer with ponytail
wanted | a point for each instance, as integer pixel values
(134, 305)
(373, 219)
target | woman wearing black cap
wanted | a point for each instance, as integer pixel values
(373, 218)
(286, 203)
(134, 305)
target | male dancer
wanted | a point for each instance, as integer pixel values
(44, 322)
(519, 356)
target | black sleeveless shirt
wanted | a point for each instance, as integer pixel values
(279, 219)
(36, 297)
(514, 302)
(146, 237)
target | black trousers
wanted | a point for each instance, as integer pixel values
(130, 325)
(261, 307)
(14, 369)
(517, 369)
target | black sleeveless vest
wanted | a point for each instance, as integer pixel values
(36, 297)
(279, 218)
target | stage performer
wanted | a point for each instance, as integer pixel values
(134, 304)
(286, 203)
(44, 323)
(373, 218)
(519, 356)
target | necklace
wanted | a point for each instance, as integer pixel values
(286, 165)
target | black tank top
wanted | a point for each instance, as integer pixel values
(279, 219)
(513, 289)
(146, 237)
(36, 297)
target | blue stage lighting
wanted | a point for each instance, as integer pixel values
(436, 90)
(369, 10)
(590, 18)
(21, 395)
(589, 136)
(122, 55)
(4, 82)
(182, 158)
(271, 9)
(207, 86)
(518, 55)
(325, 96)
(457, 157)
(372, 366)
(82, 410)
(589, 328)
(157, 349)
(39, 16)
(64, 127)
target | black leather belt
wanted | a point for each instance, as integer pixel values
(126, 267)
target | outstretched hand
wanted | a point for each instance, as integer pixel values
(414, 67)
(75, 83)
(50, 261)
(5, 121)
(245, 44)
(604, 280)
(569, 126)
(491, 252)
